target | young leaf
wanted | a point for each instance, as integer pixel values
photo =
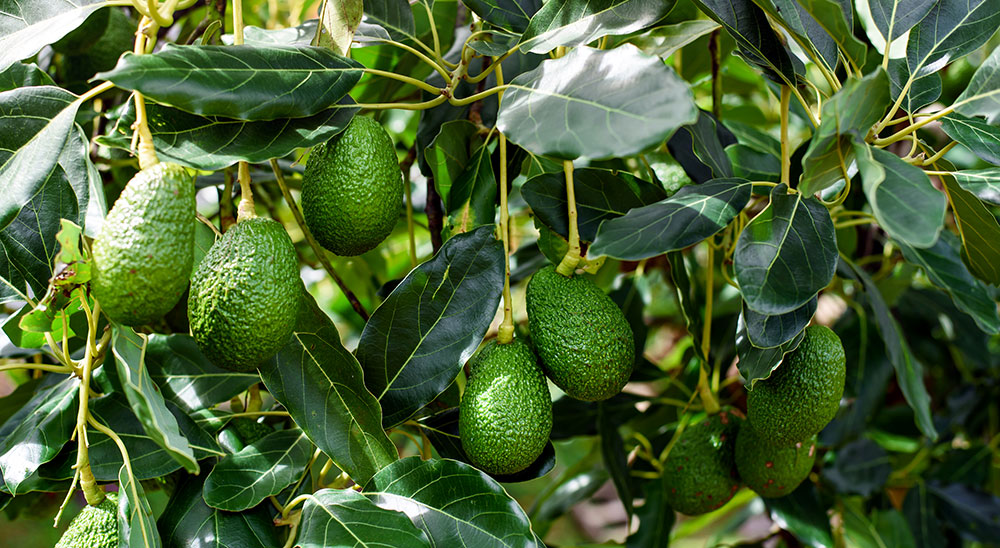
(347, 518)
(633, 99)
(244, 479)
(786, 254)
(188, 521)
(579, 22)
(186, 377)
(952, 29)
(512, 15)
(35, 434)
(416, 342)
(31, 25)
(136, 524)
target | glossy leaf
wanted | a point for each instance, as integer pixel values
(981, 138)
(244, 479)
(982, 96)
(320, 384)
(753, 165)
(952, 29)
(840, 26)
(979, 231)
(301, 35)
(919, 510)
(28, 26)
(600, 195)
(239, 81)
(694, 213)
(758, 43)
(983, 183)
(23, 75)
(804, 29)
(188, 521)
(449, 153)
(578, 22)
(901, 196)
(700, 148)
(394, 16)
(772, 252)
(664, 41)
(922, 91)
(894, 17)
(347, 518)
(136, 524)
(803, 515)
(680, 275)
(35, 434)
(512, 15)
(426, 491)
(633, 98)
(757, 363)
(860, 467)
(144, 397)
(415, 343)
(212, 143)
(764, 331)
(472, 199)
(187, 378)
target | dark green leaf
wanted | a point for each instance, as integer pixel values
(860, 467)
(512, 15)
(415, 343)
(805, 30)
(426, 491)
(28, 26)
(981, 138)
(393, 15)
(700, 148)
(35, 434)
(786, 254)
(923, 90)
(613, 452)
(144, 397)
(694, 213)
(753, 165)
(952, 29)
(758, 43)
(802, 514)
(680, 275)
(656, 518)
(757, 363)
(664, 41)
(578, 22)
(975, 514)
(840, 26)
(918, 508)
(472, 200)
(982, 96)
(21, 75)
(187, 378)
(320, 384)
(244, 479)
(901, 196)
(764, 331)
(572, 418)
(239, 81)
(600, 195)
(449, 153)
(979, 230)
(894, 17)
(983, 183)
(347, 518)
(595, 103)
(136, 524)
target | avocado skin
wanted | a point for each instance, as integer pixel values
(700, 472)
(352, 189)
(583, 339)
(244, 295)
(94, 526)
(769, 470)
(143, 255)
(803, 394)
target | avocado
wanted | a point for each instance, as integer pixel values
(244, 295)
(352, 189)
(700, 472)
(583, 339)
(769, 470)
(803, 393)
(143, 255)
(506, 413)
(250, 430)
(94, 526)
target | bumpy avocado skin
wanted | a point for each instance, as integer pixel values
(803, 394)
(583, 339)
(700, 472)
(506, 412)
(769, 470)
(244, 295)
(143, 256)
(94, 526)
(352, 189)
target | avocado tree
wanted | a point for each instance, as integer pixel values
(483, 273)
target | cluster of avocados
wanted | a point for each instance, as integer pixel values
(773, 450)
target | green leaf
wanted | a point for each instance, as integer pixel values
(21, 75)
(983, 183)
(301, 35)
(449, 153)
(188, 521)
(952, 29)
(757, 363)
(981, 138)
(28, 26)
(918, 508)
(978, 229)
(656, 518)
(861, 467)
(700, 148)
(340, 19)
(266, 467)
(922, 91)
(786, 254)
(982, 96)
(347, 518)
(664, 41)
(754, 165)
(512, 15)
(35, 434)
(212, 143)
(136, 524)
(759, 45)
(600, 195)
(764, 331)
(971, 511)
(943, 265)
(909, 372)
(186, 377)
(578, 22)
(804, 29)
(613, 453)
(426, 491)
(595, 103)
(415, 343)
(147, 402)
(840, 26)
(472, 199)
(901, 196)
(681, 275)
(239, 81)
(394, 16)
(694, 213)
(320, 384)
(894, 17)
(847, 116)
(802, 514)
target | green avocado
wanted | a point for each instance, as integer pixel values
(142, 258)
(352, 189)
(506, 412)
(583, 339)
(250, 430)
(244, 295)
(700, 472)
(803, 394)
(94, 526)
(769, 470)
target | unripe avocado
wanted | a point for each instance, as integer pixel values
(94, 526)
(244, 295)
(700, 472)
(352, 189)
(583, 339)
(803, 394)
(769, 470)
(250, 430)
(144, 253)
(506, 412)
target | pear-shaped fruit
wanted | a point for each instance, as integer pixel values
(769, 470)
(94, 526)
(700, 472)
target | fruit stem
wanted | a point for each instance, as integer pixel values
(88, 483)
(245, 210)
(572, 258)
(704, 388)
(146, 151)
(505, 333)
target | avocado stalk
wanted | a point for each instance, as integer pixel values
(245, 209)
(147, 153)
(704, 389)
(572, 258)
(505, 334)
(88, 483)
